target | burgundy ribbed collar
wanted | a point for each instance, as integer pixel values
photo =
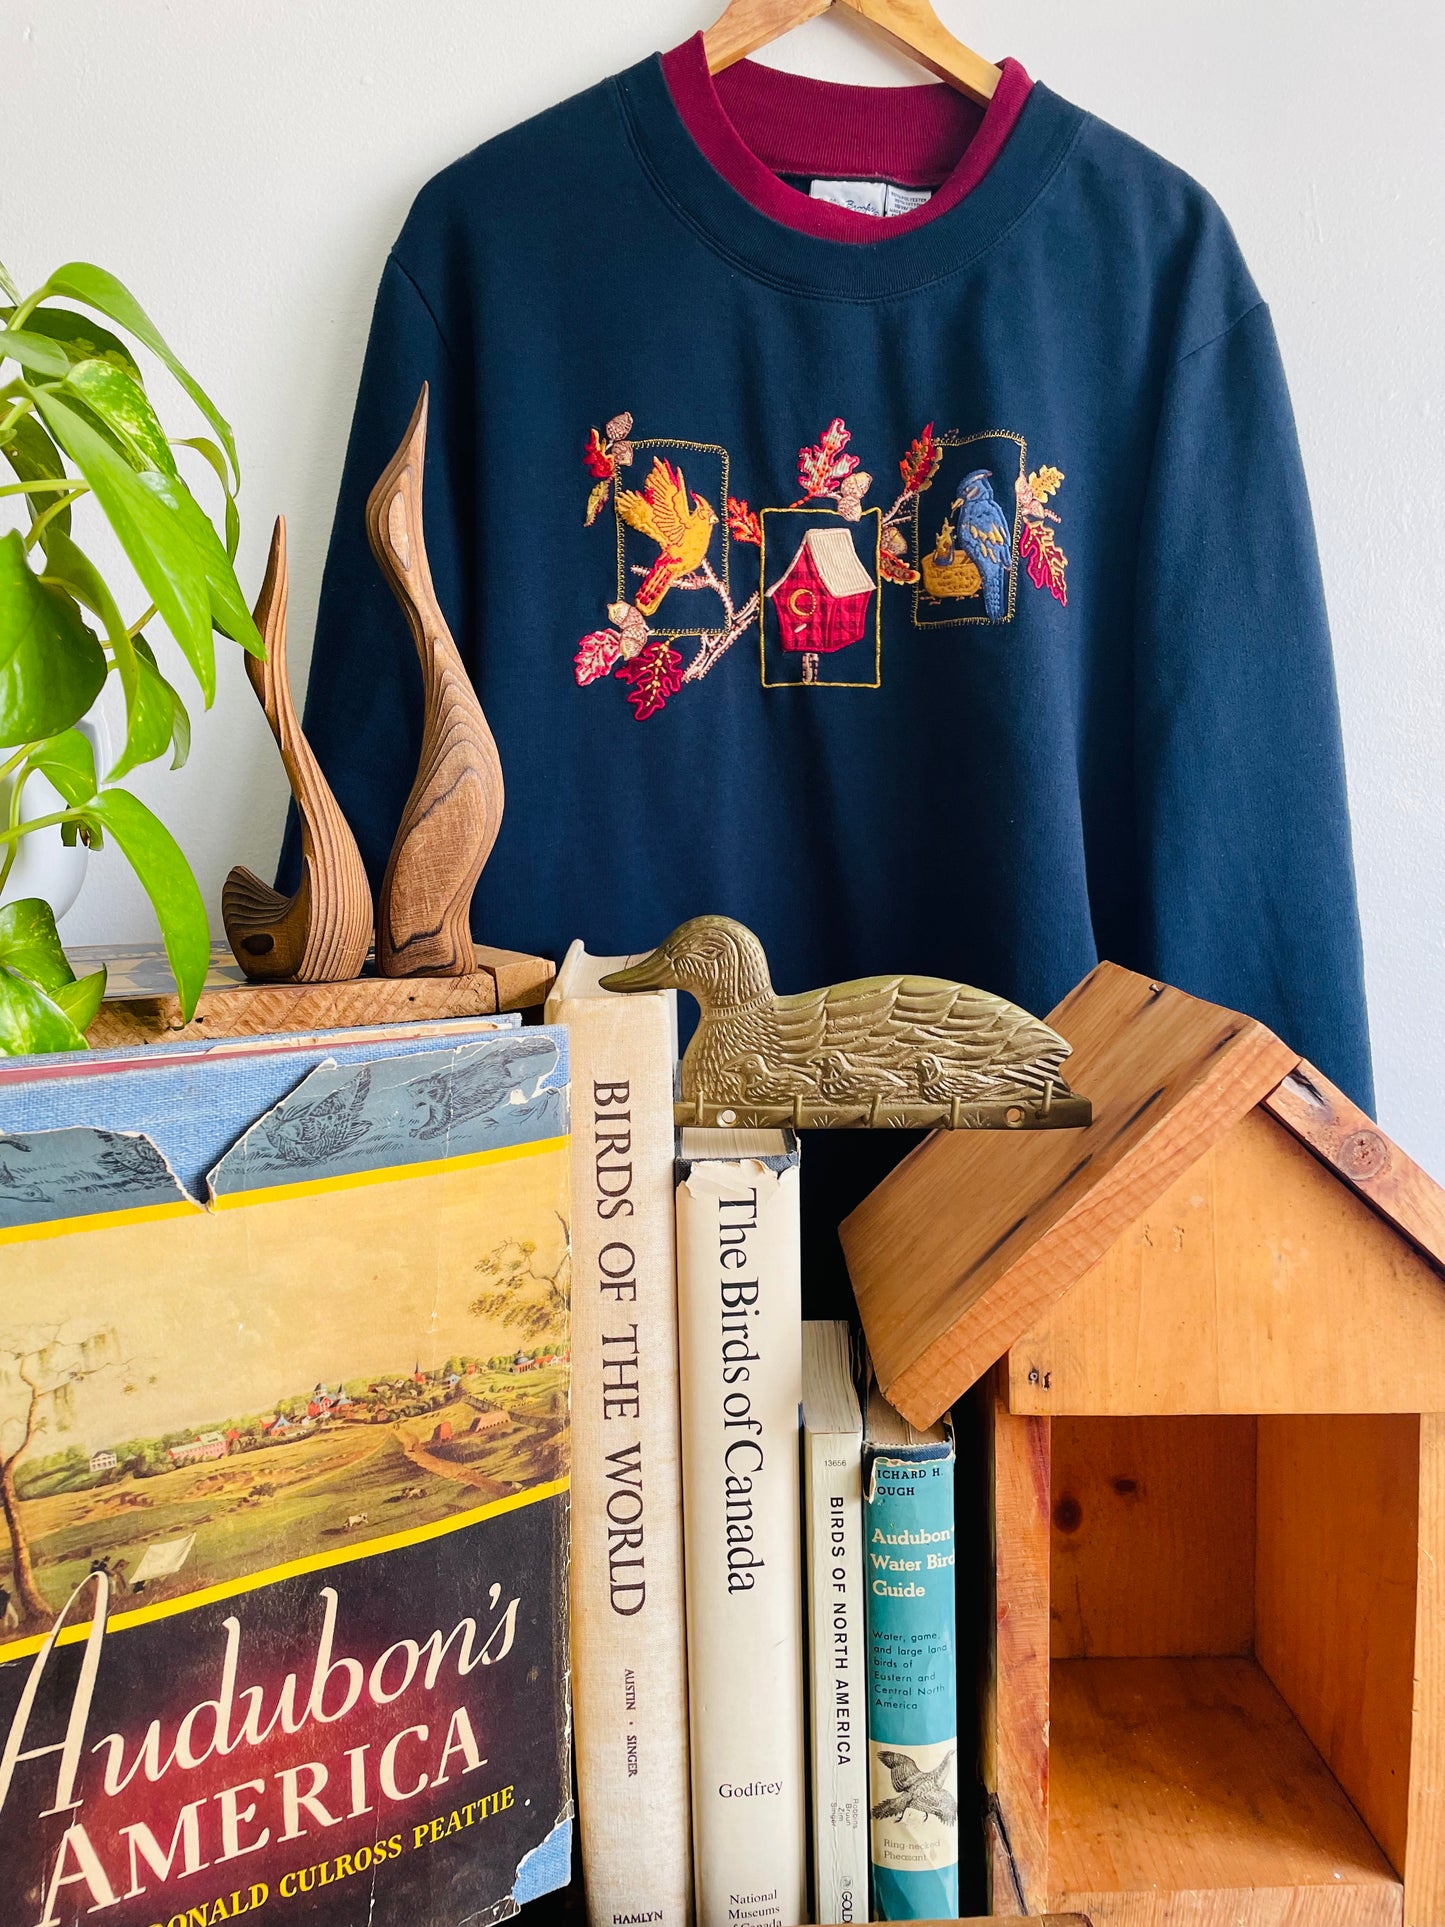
(755, 123)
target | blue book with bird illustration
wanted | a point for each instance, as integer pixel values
(908, 1546)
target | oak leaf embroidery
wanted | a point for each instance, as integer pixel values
(652, 677)
(603, 453)
(743, 525)
(919, 466)
(1046, 560)
(824, 467)
(1038, 550)
(597, 655)
(894, 569)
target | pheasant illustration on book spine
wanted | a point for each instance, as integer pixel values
(454, 811)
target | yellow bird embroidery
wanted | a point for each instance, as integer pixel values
(682, 530)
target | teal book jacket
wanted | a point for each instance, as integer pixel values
(908, 1541)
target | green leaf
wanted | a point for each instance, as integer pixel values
(161, 550)
(69, 763)
(157, 717)
(218, 462)
(34, 977)
(30, 944)
(51, 666)
(83, 339)
(35, 458)
(120, 404)
(180, 742)
(81, 1000)
(166, 878)
(82, 282)
(30, 1022)
(7, 286)
(228, 605)
(34, 352)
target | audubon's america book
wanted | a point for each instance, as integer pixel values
(283, 1448)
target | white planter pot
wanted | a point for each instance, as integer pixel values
(45, 867)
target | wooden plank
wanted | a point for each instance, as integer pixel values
(1425, 1847)
(1153, 1537)
(1016, 1688)
(1335, 1598)
(1184, 1790)
(1357, 1150)
(144, 1008)
(522, 981)
(1260, 1907)
(967, 1244)
(1255, 1283)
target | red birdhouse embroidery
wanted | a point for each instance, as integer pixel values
(822, 596)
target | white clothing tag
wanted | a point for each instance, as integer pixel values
(871, 197)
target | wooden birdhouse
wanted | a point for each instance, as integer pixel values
(822, 596)
(1209, 1333)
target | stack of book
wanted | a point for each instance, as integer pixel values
(762, 1560)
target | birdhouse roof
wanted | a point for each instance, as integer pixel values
(834, 557)
(970, 1242)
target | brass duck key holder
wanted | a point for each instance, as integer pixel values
(908, 1052)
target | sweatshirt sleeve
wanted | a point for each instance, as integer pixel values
(1247, 881)
(364, 693)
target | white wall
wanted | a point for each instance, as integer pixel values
(244, 167)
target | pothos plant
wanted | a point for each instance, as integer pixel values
(76, 421)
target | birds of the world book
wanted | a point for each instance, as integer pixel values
(837, 1695)
(908, 1549)
(284, 1457)
(740, 1341)
(629, 1660)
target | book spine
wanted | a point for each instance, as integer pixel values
(629, 1668)
(741, 1352)
(912, 1685)
(834, 1506)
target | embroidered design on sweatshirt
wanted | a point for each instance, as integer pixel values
(998, 517)
(824, 601)
(819, 617)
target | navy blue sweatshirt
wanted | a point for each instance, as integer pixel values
(932, 590)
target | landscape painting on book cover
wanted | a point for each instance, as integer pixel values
(187, 1435)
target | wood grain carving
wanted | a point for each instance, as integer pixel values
(322, 934)
(454, 810)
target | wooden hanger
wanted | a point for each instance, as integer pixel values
(911, 25)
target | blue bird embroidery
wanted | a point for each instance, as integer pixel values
(985, 535)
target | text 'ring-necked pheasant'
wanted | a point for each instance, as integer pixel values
(911, 1052)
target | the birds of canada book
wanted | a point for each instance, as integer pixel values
(629, 1661)
(908, 1547)
(837, 1697)
(283, 1450)
(740, 1331)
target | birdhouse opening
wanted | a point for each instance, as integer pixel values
(1231, 1677)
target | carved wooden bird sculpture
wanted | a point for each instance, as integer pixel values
(451, 819)
(682, 530)
(322, 934)
(903, 1051)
